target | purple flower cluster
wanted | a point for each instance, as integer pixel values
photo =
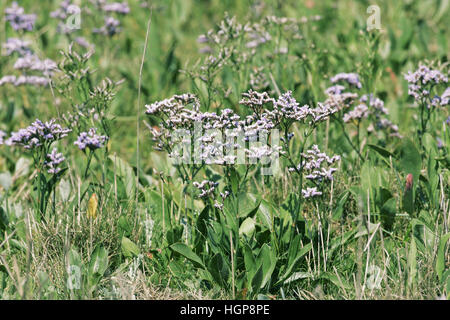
(444, 99)
(206, 188)
(12, 45)
(317, 168)
(351, 78)
(358, 113)
(421, 83)
(38, 134)
(117, 7)
(66, 8)
(18, 19)
(374, 103)
(54, 159)
(90, 140)
(284, 108)
(179, 120)
(25, 80)
(110, 28)
(369, 106)
(33, 63)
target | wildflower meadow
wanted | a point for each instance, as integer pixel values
(250, 150)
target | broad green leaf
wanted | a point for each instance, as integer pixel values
(186, 252)
(257, 280)
(410, 159)
(440, 260)
(129, 248)
(388, 212)
(268, 260)
(381, 151)
(219, 269)
(247, 227)
(99, 262)
(291, 267)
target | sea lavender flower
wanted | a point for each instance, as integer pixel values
(375, 103)
(421, 81)
(54, 159)
(116, 7)
(206, 188)
(25, 80)
(350, 78)
(38, 134)
(110, 28)
(445, 97)
(18, 19)
(336, 89)
(22, 47)
(317, 167)
(90, 140)
(33, 63)
(358, 113)
(83, 42)
(311, 192)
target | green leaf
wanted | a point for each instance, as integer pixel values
(129, 248)
(250, 264)
(124, 226)
(388, 212)
(257, 280)
(440, 260)
(219, 269)
(412, 263)
(248, 205)
(247, 227)
(339, 209)
(410, 159)
(125, 172)
(268, 260)
(186, 252)
(291, 267)
(298, 275)
(99, 262)
(381, 151)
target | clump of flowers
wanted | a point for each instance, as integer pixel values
(38, 135)
(38, 138)
(17, 18)
(180, 119)
(90, 140)
(54, 159)
(112, 25)
(354, 109)
(206, 188)
(110, 28)
(16, 45)
(423, 86)
(350, 78)
(422, 81)
(27, 61)
(66, 9)
(317, 169)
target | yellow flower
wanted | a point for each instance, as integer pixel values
(92, 207)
